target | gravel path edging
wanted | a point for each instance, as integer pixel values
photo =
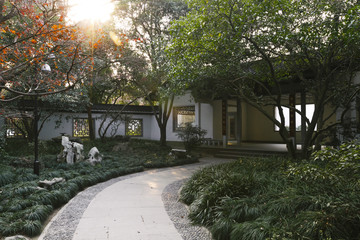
(64, 224)
(178, 213)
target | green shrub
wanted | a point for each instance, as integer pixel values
(38, 212)
(257, 229)
(6, 177)
(192, 136)
(276, 199)
(12, 147)
(31, 227)
(206, 189)
(222, 228)
(8, 228)
(104, 145)
(197, 182)
(148, 146)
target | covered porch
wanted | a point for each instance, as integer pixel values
(238, 123)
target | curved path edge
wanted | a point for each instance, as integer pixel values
(178, 213)
(64, 224)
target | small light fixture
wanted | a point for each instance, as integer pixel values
(46, 68)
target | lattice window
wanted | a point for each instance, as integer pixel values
(81, 127)
(15, 128)
(134, 127)
(182, 116)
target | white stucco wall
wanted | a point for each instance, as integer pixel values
(50, 130)
(203, 118)
(206, 119)
(153, 128)
(179, 101)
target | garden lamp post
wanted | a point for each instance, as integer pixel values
(45, 68)
(36, 136)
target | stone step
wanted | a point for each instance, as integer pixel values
(234, 154)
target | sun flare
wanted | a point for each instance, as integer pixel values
(90, 10)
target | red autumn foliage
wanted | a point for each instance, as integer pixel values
(34, 33)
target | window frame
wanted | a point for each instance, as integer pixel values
(88, 128)
(10, 126)
(176, 111)
(141, 126)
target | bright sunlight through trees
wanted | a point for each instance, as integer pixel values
(93, 10)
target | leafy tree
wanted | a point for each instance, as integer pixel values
(35, 37)
(149, 23)
(109, 81)
(99, 83)
(41, 55)
(258, 50)
(123, 90)
(81, 56)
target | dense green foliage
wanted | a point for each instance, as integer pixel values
(24, 207)
(258, 51)
(276, 199)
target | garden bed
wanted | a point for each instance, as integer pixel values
(274, 198)
(24, 206)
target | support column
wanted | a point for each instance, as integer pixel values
(292, 113)
(224, 121)
(303, 118)
(199, 112)
(238, 122)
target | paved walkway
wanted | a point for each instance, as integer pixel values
(128, 207)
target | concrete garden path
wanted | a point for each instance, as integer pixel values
(128, 207)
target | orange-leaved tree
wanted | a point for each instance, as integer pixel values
(34, 39)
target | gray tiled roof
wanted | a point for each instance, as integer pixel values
(96, 108)
(126, 109)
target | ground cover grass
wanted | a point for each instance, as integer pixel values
(24, 206)
(274, 198)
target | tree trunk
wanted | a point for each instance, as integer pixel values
(291, 148)
(162, 116)
(320, 125)
(284, 134)
(162, 135)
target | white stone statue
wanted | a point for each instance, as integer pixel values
(73, 151)
(79, 148)
(94, 156)
(68, 152)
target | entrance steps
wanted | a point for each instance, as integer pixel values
(235, 153)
